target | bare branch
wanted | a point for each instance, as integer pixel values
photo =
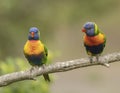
(57, 67)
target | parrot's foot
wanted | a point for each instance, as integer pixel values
(34, 68)
(97, 58)
(31, 71)
(91, 59)
(43, 66)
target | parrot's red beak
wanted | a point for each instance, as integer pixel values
(83, 30)
(32, 34)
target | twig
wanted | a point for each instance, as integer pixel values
(57, 67)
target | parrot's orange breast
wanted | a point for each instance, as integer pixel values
(95, 40)
(33, 47)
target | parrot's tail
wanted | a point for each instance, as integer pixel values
(46, 77)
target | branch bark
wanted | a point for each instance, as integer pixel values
(56, 67)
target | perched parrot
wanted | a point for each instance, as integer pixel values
(35, 51)
(94, 40)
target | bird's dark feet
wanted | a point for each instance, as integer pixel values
(97, 58)
(31, 69)
(31, 72)
(34, 68)
(43, 66)
(91, 59)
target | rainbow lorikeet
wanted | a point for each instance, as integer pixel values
(94, 40)
(35, 51)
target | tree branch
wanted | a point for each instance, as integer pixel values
(56, 67)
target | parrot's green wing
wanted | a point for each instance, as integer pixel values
(46, 76)
(46, 50)
(45, 54)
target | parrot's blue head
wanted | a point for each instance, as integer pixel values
(89, 29)
(33, 33)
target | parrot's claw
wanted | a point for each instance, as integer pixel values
(34, 68)
(31, 69)
(91, 59)
(97, 58)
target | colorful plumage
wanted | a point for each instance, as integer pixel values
(35, 51)
(94, 40)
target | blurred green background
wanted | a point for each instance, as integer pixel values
(60, 23)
